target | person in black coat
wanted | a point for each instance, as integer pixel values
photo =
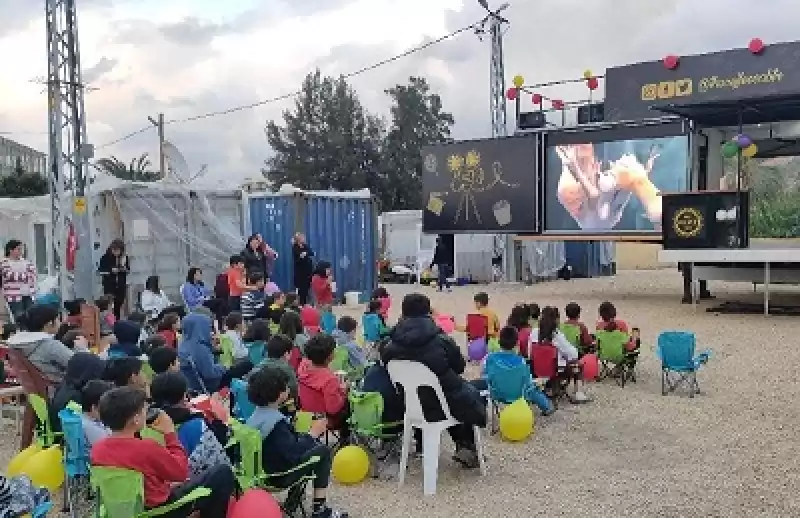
(114, 267)
(441, 258)
(254, 259)
(303, 267)
(416, 337)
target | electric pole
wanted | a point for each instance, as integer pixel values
(69, 152)
(162, 163)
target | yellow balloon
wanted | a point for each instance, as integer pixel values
(587, 74)
(516, 421)
(350, 465)
(17, 464)
(518, 81)
(46, 468)
(750, 151)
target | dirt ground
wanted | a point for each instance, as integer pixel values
(730, 452)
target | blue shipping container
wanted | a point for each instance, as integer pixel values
(339, 229)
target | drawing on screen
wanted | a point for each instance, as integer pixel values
(469, 179)
(595, 197)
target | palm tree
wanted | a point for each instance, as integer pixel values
(138, 170)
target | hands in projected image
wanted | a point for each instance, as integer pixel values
(596, 198)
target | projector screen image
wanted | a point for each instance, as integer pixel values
(613, 186)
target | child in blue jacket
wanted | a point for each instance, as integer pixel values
(497, 365)
(283, 447)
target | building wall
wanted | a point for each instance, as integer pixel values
(11, 152)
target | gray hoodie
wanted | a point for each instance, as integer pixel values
(45, 353)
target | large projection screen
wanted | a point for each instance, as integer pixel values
(608, 182)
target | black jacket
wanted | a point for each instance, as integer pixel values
(440, 255)
(81, 369)
(254, 262)
(420, 339)
(303, 266)
(114, 282)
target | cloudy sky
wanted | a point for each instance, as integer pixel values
(188, 57)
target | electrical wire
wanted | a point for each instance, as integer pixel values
(289, 95)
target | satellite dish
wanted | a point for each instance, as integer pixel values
(177, 168)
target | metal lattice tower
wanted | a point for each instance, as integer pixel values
(497, 73)
(68, 150)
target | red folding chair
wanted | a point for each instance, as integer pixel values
(34, 383)
(477, 326)
(544, 364)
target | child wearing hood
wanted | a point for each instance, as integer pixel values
(319, 389)
(345, 336)
(82, 368)
(46, 353)
(195, 355)
(127, 344)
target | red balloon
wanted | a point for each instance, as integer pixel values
(756, 46)
(511, 94)
(537, 99)
(592, 83)
(671, 62)
(591, 367)
(256, 503)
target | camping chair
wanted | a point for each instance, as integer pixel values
(477, 328)
(76, 461)
(147, 371)
(256, 352)
(327, 322)
(544, 365)
(572, 333)
(372, 325)
(679, 365)
(380, 440)
(251, 472)
(192, 375)
(35, 385)
(412, 376)
(613, 356)
(120, 494)
(226, 348)
(242, 407)
(505, 387)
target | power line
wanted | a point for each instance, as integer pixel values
(289, 95)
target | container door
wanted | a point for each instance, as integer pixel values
(274, 217)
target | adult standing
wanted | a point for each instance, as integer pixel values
(303, 267)
(18, 276)
(441, 258)
(114, 268)
(270, 256)
(254, 259)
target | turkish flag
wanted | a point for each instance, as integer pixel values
(72, 247)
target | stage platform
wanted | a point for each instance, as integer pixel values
(765, 262)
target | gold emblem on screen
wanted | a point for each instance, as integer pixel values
(687, 222)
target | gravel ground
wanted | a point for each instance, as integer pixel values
(631, 452)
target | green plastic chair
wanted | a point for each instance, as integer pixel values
(341, 359)
(251, 473)
(303, 421)
(380, 440)
(612, 354)
(572, 333)
(45, 435)
(121, 494)
(148, 372)
(226, 346)
(149, 433)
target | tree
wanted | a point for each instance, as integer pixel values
(22, 184)
(418, 120)
(327, 141)
(139, 169)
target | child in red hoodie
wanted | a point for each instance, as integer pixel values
(165, 468)
(322, 285)
(168, 327)
(320, 391)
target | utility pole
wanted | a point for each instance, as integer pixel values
(69, 152)
(162, 162)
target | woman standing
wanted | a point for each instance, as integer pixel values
(303, 267)
(18, 277)
(114, 268)
(254, 258)
(270, 256)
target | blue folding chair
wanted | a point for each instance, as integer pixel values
(256, 352)
(327, 322)
(242, 407)
(507, 384)
(371, 324)
(679, 364)
(76, 460)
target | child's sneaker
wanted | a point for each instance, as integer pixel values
(327, 512)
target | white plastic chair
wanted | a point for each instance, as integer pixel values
(412, 375)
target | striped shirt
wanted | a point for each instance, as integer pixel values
(252, 301)
(18, 277)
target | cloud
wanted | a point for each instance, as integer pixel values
(189, 58)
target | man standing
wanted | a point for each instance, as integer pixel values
(18, 277)
(441, 258)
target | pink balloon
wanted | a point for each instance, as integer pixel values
(446, 323)
(256, 503)
(591, 367)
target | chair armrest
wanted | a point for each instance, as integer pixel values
(313, 460)
(195, 494)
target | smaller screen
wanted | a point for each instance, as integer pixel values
(613, 186)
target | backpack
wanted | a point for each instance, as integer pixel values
(221, 289)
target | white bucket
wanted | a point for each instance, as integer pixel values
(351, 298)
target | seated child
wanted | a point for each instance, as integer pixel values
(536, 313)
(105, 306)
(165, 468)
(292, 327)
(283, 447)
(319, 389)
(255, 340)
(73, 309)
(154, 342)
(382, 296)
(93, 428)
(609, 322)
(75, 340)
(168, 327)
(374, 307)
(482, 308)
(196, 357)
(125, 371)
(311, 318)
(377, 379)
(279, 350)
(291, 303)
(276, 309)
(139, 318)
(585, 342)
(497, 363)
(127, 344)
(520, 319)
(253, 299)
(570, 368)
(345, 336)
(234, 327)
(203, 446)
(164, 359)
